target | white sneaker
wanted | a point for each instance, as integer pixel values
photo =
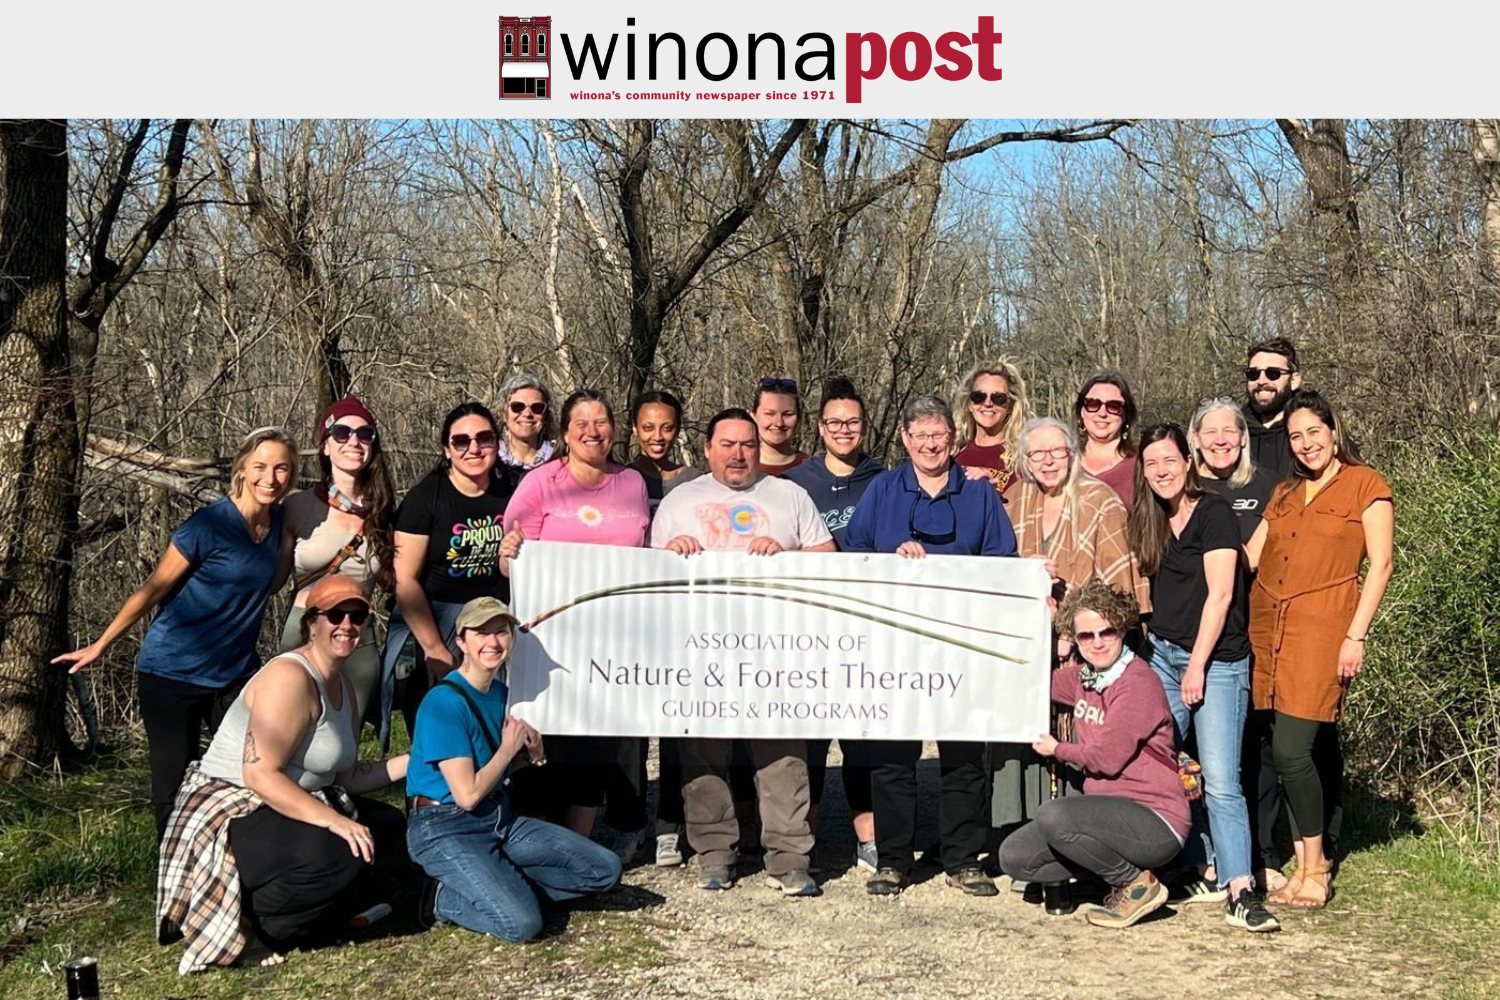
(668, 853)
(865, 856)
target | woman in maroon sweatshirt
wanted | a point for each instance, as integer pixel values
(1133, 815)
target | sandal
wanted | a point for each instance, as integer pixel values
(1322, 879)
(1272, 880)
(1288, 890)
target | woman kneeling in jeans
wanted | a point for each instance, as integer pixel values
(1133, 816)
(493, 868)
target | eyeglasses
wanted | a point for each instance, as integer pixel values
(1040, 454)
(978, 397)
(343, 432)
(931, 538)
(939, 437)
(772, 384)
(1103, 635)
(1114, 407)
(852, 424)
(484, 441)
(336, 616)
(1254, 374)
(537, 409)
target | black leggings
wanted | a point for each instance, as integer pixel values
(297, 878)
(1109, 836)
(1310, 765)
(176, 714)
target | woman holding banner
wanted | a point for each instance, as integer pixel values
(1062, 514)
(580, 496)
(1133, 816)
(928, 506)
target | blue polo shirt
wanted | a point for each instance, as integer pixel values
(966, 518)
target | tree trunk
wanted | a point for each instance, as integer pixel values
(1487, 163)
(1322, 150)
(39, 443)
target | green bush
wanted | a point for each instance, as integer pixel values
(1425, 715)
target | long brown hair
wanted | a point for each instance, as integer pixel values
(1150, 530)
(377, 488)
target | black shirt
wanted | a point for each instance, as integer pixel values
(1179, 589)
(1269, 449)
(1248, 501)
(463, 538)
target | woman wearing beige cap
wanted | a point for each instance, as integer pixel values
(265, 824)
(490, 870)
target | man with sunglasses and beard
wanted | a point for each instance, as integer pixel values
(927, 506)
(738, 507)
(1271, 376)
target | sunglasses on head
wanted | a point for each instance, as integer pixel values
(931, 537)
(1103, 635)
(773, 384)
(356, 616)
(343, 432)
(1273, 373)
(1114, 407)
(537, 409)
(484, 441)
(978, 397)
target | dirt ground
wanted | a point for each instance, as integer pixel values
(934, 942)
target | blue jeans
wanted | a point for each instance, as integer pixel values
(1219, 721)
(398, 634)
(496, 868)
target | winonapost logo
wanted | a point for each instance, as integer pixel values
(664, 56)
(525, 58)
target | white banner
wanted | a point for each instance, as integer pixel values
(640, 642)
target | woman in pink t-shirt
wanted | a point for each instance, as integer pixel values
(580, 496)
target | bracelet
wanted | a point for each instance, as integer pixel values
(1352, 639)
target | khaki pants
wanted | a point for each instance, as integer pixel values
(780, 786)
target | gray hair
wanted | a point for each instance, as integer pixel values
(525, 380)
(1023, 463)
(1244, 471)
(925, 407)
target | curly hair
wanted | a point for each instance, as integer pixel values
(1114, 606)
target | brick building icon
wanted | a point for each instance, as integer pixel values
(525, 58)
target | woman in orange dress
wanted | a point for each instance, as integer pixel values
(1309, 613)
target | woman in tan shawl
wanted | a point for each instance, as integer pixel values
(1062, 514)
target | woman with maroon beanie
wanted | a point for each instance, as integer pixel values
(344, 525)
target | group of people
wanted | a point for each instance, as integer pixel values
(1190, 615)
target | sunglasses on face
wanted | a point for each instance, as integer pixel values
(1103, 635)
(1254, 374)
(484, 441)
(1114, 407)
(772, 384)
(343, 432)
(356, 616)
(537, 409)
(978, 397)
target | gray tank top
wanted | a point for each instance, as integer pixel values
(326, 749)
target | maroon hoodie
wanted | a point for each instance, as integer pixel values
(1112, 728)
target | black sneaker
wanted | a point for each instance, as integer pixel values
(973, 881)
(427, 903)
(1247, 912)
(887, 882)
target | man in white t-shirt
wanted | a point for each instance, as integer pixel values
(736, 507)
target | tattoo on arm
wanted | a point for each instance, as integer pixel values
(251, 755)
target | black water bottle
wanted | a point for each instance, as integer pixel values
(83, 979)
(1057, 898)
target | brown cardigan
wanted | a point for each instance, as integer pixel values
(1089, 541)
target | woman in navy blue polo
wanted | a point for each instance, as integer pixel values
(925, 506)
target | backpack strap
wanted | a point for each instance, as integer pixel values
(478, 715)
